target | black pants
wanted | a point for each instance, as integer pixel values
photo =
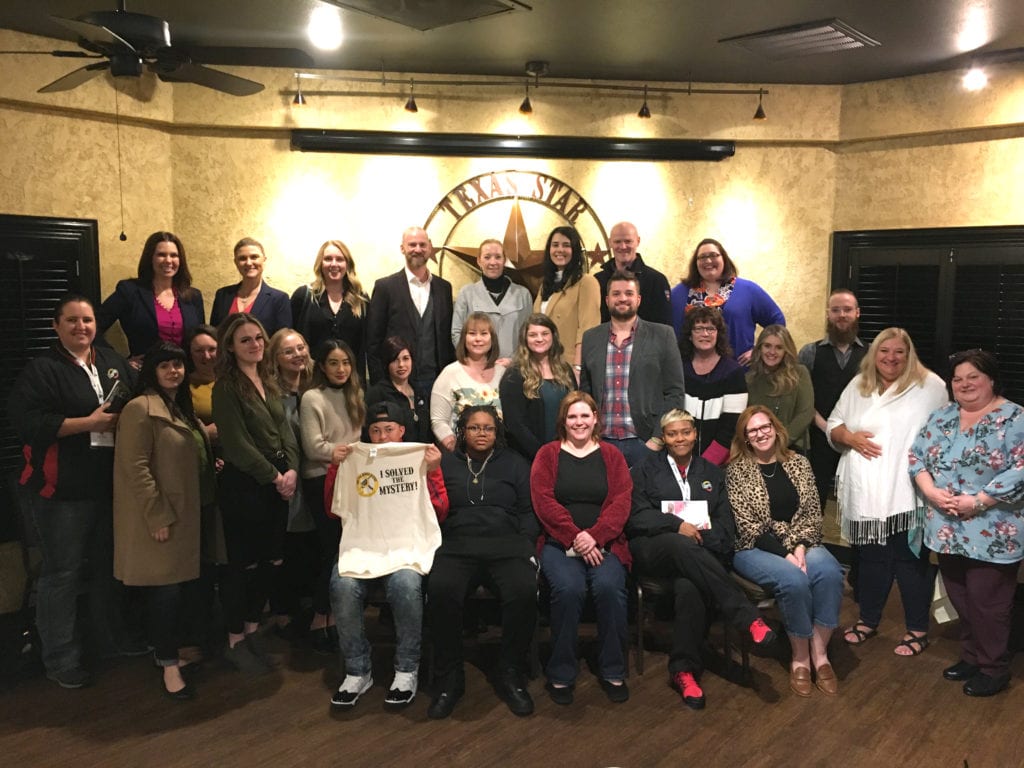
(328, 531)
(824, 462)
(170, 608)
(702, 586)
(452, 579)
(879, 565)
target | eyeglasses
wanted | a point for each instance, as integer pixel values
(764, 429)
(474, 429)
(705, 330)
(708, 256)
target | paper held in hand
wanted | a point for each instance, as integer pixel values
(693, 512)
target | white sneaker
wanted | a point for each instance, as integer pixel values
(403, 690)
(351, 689)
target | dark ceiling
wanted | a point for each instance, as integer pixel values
(673, 40)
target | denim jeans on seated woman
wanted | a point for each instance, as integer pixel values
(404, 590)
(804, 599)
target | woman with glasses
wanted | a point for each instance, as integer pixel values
(778, 543)
(779, 381)
(581, 493)
(712, 280)
(716, 391)
(261, 460)
(968, 462)
(873, 426)
(488, 536)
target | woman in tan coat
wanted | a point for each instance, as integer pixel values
(568, 295)
(163, 476)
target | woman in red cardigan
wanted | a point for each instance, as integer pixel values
(581, 494)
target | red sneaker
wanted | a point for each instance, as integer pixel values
(761, 633)
(689, 688)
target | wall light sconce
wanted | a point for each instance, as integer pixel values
(759, 113)
(645, 111)
(526, 107)
(299, 99)
(410, 104)
(975, 79)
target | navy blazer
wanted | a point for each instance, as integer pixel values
(392, 313)
(271, 307)
(132, 303)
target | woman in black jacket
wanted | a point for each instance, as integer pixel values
(682, 527)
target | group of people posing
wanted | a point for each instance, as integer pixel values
(608, 424)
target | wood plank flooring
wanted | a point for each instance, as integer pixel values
(890, 712)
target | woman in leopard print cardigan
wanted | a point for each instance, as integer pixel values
(778, 541)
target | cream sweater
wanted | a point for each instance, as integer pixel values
(323, 424)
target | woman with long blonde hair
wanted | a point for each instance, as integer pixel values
(333, 305)
(778, 381)
(533, 387)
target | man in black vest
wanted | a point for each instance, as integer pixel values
(833, 361)
(653, 285)
(417, 307)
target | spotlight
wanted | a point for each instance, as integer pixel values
(410, 105)
(975, 79)
(645, 111)
(759, 114)
(526, 107)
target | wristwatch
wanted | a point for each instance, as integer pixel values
(979, 506)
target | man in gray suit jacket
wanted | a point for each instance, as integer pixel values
(633, 369)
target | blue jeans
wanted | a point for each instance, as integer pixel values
(404, 591)
(70, 536)
(570, 578)
(633, 449)
(804, 598)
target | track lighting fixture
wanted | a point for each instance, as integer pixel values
(410, 104)
(759, 114)
(645, 111)
(299, 99)
(526, 107)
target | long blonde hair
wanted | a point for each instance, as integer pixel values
(523, 359)
(274, 347)
(350, 283)
(786, 377)
(914, 373)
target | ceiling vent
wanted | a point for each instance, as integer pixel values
(828, 36)
(430, 14)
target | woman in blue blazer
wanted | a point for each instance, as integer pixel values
(159, 304)
(269, 305)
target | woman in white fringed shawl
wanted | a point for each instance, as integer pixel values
(873, 425)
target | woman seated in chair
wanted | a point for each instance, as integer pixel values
(676, 495)
(488, 535)
(778, 542)
(581, 491)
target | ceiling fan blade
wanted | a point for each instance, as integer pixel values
(185, 72)
(94, 33)
(287, 58)
(76, 78)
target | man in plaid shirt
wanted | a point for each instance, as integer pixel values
(633, 369)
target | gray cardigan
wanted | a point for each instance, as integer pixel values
(655, 373)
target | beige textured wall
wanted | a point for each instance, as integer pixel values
(900, 153)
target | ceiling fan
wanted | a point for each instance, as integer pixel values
(130, 42)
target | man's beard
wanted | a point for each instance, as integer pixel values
(839, 337)
(629, 314)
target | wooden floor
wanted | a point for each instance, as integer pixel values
(890, 712)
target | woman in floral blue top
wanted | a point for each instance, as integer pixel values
(968, 462)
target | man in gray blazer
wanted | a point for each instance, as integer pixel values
(633, 369)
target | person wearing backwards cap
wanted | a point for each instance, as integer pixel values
(383, 486)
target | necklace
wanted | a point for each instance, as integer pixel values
(775, 468)
(476, 475)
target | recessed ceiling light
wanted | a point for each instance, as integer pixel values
(324, 29)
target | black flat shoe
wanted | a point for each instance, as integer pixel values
(563, 696)
(185, 694)
(512, 690)
(443, 704)
(617, 694)
(960, 671)
(986, 685)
